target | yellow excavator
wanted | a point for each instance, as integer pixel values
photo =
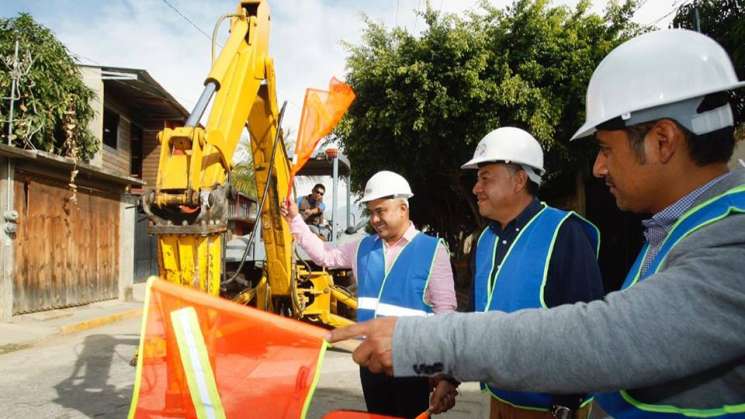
(192, 199)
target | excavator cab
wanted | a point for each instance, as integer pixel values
(341, 215)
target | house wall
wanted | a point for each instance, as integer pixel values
(117, 160)
(150, 154)
(127, 222)
(92, 78)
(6, 241)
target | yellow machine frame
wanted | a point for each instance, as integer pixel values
(188, 206)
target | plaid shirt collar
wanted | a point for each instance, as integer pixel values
(657, 227)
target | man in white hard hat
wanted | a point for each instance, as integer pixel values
(400, 272)
(529, 256)
(671, 342)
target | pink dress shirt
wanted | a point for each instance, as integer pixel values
(440, 292)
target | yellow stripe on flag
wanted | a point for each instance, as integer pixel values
(196, 364)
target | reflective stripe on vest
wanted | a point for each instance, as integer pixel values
(367, 303)
(400, 291)
(621, 404)
(520, 279)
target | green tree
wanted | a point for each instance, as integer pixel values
(242, 175)
(53, 111)
(423, 102)
(724, 21)
(243, 178)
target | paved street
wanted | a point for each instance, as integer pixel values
(87, 375)
(83, 375)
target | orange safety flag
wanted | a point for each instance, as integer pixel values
(354, 414)
(322, 110)
(423, 415)
(206, 357)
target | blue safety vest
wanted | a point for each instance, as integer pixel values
(519, 280)
(621, 404)
(400, 291)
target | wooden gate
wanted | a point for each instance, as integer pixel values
(66, 254)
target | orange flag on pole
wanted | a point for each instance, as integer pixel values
(205, 357)
(322, 110)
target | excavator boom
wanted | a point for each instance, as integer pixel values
(188, 207)
(189, 203)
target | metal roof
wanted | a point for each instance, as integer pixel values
(53, 160)
(146, 98)
(321, 165)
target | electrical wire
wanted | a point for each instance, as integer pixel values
(76, 55)
(187, 19)
(674, 10)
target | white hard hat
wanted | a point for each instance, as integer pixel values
(385, 183)
(510, 145)
(662, 74)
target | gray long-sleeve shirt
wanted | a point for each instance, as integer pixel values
(675, 338)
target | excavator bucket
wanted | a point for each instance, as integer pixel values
(206, 357)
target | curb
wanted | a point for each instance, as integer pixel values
(100, 321)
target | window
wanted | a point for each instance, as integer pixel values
(110, 128)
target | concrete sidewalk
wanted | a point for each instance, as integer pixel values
(27, 329)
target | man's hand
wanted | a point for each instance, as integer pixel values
(375, 352)
(288, 209)
(443, 396)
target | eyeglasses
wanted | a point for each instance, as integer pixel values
(319, 192)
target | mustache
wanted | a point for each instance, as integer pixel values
(609, 181)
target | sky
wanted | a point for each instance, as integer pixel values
(171, 39)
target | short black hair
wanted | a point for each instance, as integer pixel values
(713, 147)
(530, 186)
(319, 186)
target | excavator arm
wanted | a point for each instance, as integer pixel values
(188, 206)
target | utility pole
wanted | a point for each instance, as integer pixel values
(698, 21)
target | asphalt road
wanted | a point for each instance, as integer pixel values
(87, 375)
(83, 375)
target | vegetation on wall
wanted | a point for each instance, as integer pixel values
(52, 109)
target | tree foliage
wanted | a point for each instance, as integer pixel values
(424, 102)
(53, 111)
(724, 21)
(243, 178)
